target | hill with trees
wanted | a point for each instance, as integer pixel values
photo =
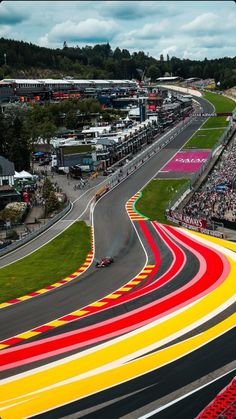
(20, 59)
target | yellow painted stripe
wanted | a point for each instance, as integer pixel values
(98, 304)
(113, 296)
(30, 404)
(3, 305)
(222, 242)
(25, 297)
(141, 276)
(42, 291)
(134, 282)
(125, 289)
(28, 335)
(79, 313)
(147, 271)
(56, 323)
(150, 266)
(2, 346)
(57, 284)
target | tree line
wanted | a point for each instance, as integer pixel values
(22, 59)
(22, 125)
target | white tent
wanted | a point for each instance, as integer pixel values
(23, 175)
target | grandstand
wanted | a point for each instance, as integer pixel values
(43, 88)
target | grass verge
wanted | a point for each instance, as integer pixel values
(216, 122)
(204, 139)
(54, 261)
(221, 103)
(156, 196)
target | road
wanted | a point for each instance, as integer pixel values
(114, 236)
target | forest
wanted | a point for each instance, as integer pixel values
(20, 59)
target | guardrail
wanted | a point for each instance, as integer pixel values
(35, 233)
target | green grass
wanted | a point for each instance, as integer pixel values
(204, 139)
(221, 103)
(156, 197)
(54, 261)
(216, 122)
(73, 149)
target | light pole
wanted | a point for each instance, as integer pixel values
(5, 58)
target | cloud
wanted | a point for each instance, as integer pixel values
(90, 30)
(11, 16)
(202, 23)
(5, 30)
(189, 29)
(150, 30)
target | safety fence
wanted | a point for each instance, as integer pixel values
(223, 406)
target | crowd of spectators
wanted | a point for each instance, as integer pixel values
(217, 196)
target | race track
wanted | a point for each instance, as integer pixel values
(132, 338)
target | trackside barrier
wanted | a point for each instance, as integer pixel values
(222, 141)
(223, 406)
(34, 234)
(101, 192)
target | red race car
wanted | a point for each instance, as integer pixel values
(104, 262)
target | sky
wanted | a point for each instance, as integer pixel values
(184, 29)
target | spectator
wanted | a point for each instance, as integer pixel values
(217, 196)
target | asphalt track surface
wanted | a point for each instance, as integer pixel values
(111, 221)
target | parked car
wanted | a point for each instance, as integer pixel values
(104, 262)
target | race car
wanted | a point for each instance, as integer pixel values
(104, 262)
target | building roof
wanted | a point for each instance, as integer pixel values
(168, 78)
(7, 168)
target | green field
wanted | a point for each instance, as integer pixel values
(204, 139)
(54, 261)
(156, 197)
(221, 103)
(216, 122)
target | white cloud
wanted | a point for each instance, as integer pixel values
(203, 22)
(150, 30)
(91, 29)
(190, 29)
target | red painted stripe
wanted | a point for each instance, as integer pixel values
(12, 341)
(43, 328)
(69, 318)
(217, 269)
(14, 301)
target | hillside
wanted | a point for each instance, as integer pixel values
(20, 59)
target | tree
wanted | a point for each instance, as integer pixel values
(71, 120)
(154, 72)
(47, 188)
(51, 204)
(18, 150)
(46, 130)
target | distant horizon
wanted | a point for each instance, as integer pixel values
(192, 30)
(103, 43)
